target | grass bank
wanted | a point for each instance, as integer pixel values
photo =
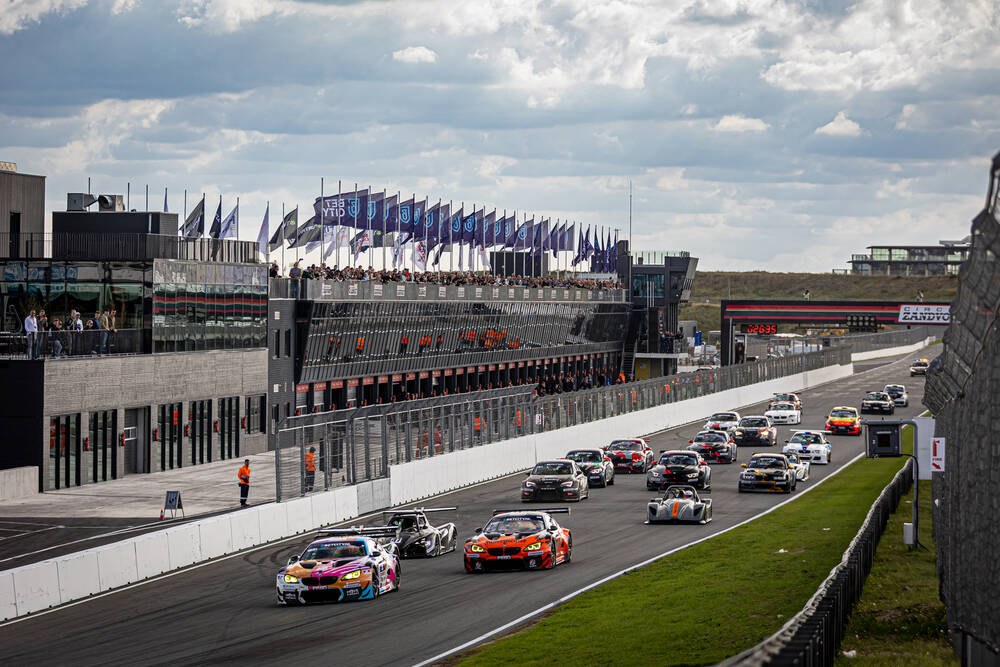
(900, 620)
(710, 601)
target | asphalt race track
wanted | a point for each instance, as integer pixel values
(225, 611)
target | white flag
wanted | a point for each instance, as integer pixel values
(484, 259)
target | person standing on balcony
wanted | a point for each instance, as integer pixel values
(104, 324)
(57, 338)
(113, 325)
(43, 332)
(31, 331)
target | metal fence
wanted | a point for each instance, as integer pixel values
(123, 246)
(359, 445)
(961, 390)
(66, 344)
(812, 637)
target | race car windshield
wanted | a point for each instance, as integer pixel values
(515, 524)
(766, 463)
(792, 458)
(678, 460)
(585, 457)
(783, 397)
(751, 422)
(894, 391)
(625, 447)
(783, 407)
(920, 363)
(875, 396)
(677, 494)
(808, 438)
(404, 521)
(842, 414)
(723, 417)
(709, 437)
(330, 550)
(553, 469)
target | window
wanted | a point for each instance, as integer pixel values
(256, 411)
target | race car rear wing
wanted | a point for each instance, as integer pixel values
(360, 531)
(418, 510)
(553, 510)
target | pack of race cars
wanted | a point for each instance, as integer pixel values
(362, 563)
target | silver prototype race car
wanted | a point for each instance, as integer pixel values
(679, 504)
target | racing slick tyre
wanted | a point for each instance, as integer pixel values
(569, 552)
(611, 481)
(399, 577)
(376, 587)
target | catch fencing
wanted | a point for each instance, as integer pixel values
(358, 445)
(961, 391)
(812, 636)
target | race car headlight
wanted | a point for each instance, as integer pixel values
(692, 475)
(748, 475)
(567, 485)
(476, 549)
(737, 432)
(533, 547)
(289, 579)
(353, 575)
(653, 473)
(529, 485)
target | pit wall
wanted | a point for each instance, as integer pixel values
(18, 482)
(40, 586)
(890, 351)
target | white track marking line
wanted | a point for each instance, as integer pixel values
(518, 621)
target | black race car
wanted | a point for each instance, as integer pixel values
(558, 479)
(756, 430)
(714, 446)
(416, 537)
(679, 467)
(767, 472)
(878, 401)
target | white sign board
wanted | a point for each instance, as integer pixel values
(937, 454)
(922, 313)
(925, 433)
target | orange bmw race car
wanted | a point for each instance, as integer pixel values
(531, 540)
(844, 419)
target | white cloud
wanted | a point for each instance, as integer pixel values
(738, 123)
(231, 15)
(124, 6)
(841, 126)
(415, 54)
(905, 117)
(17, 14)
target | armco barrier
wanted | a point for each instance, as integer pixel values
(812, 637)
(890, 351)
(56, 581)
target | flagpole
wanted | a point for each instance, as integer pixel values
(336, 236)
(322, 224)
(147, 196)
(385, 210)
(185, 203)
(164, 199)
(629, 286)
(284, 233)
(413, 238)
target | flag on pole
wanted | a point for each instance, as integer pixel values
(308, 233)
(165, 201)
(420, 256)
(229, 225)
(262, 234)
(194, 225)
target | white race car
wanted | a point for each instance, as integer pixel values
(722, 421)
(898, 394)
(810, 446)
(784, 413)
(800, 467)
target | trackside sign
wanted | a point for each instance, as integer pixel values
(921, 313)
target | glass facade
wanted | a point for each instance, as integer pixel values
(341, 332)
(200, 306)
(103, 446)
(64, 451)
(646, 285)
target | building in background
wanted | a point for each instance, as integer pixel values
(22, 209)
(943, 259)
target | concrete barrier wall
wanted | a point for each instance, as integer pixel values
(890, 351)
(18, 482)
(37, 587)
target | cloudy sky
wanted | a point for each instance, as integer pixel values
(773, 134)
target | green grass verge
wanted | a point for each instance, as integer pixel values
(710, 601)
(900, 620)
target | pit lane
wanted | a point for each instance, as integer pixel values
(225, 611)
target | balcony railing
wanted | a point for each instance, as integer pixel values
(354, 290)
(66, 344)
(113, 246)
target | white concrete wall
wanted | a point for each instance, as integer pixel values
(56, 581)
(18, 482)
(890, 351)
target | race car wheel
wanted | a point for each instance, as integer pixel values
(569, 552)
(399, 577)
(376, 587)
(612, 480)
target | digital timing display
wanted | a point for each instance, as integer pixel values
(759, 329)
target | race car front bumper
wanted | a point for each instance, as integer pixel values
(811, 456)
(549, 494)
(339, 592)
(628, 465)
(764, 484)
(522, 560)
(753, 439)
(844, 429)
(877, 407)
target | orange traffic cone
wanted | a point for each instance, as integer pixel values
(161, 515)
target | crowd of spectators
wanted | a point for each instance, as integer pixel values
(324, 272)
(567, 382)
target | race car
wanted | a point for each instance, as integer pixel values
(531, 540)
(558, 479)
(784, 413)
(679, 467)
(919, 367)
(714, 446)
(898, 394)
(679, 504)
(417, 538)
(878, 401)
(630, 455)
(341, 564)
(785, 398)
(755, 430)
(800, 467)
(722, 421)
(809, 446)
(595, 465)
(767, 472)
(844, 419)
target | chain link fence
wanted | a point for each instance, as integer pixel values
(961, 391)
